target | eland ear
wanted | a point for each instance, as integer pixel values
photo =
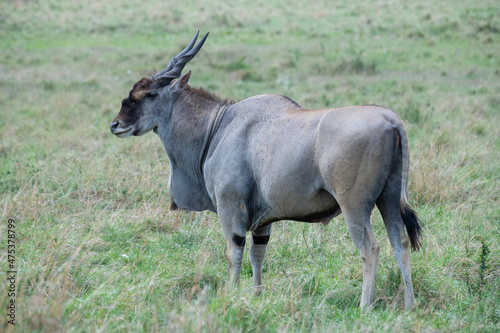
(182, 82)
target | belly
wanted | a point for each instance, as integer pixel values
(320, 207)
(306, 208)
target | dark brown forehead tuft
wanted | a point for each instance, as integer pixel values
(140, 88)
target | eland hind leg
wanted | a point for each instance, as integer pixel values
(389, 206)
(358, 223)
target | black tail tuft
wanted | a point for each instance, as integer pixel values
(412, 225)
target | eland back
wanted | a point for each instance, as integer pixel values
(265, 159)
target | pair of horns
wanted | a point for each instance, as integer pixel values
(176, 65)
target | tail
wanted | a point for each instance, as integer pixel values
(411, 221)
(410, 218)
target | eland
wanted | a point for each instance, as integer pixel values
(266, 159)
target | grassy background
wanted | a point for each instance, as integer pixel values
(98, 249)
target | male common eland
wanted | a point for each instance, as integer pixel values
(266, 159)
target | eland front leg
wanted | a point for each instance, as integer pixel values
(233, 218)
(260, 238)
(235, 249)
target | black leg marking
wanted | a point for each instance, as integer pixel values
(238, 240)
(260, 240)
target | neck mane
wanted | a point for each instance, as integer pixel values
(207, 95)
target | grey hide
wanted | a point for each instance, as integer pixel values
(266, 159)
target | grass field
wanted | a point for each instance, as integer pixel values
(97, 249)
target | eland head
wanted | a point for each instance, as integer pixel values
(140, 111)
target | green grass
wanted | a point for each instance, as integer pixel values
(98, 250)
